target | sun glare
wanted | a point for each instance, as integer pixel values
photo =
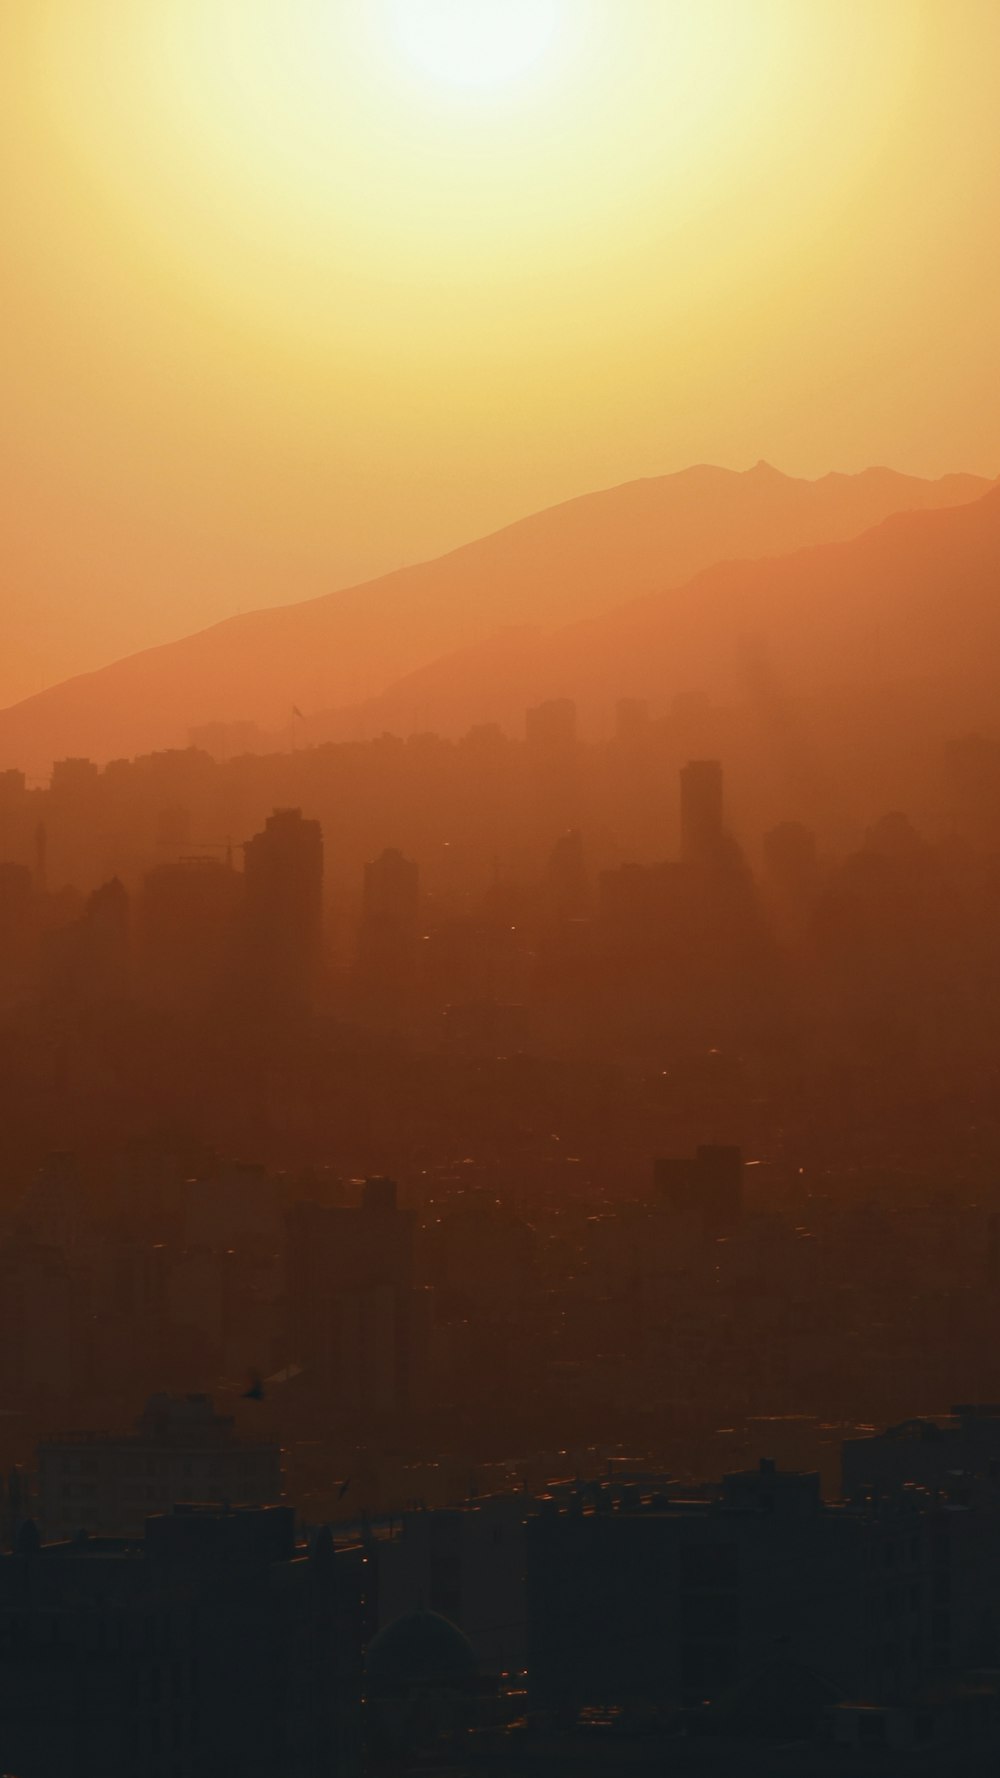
(475, 43)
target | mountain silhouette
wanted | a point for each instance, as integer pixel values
(864, 657)
(568, 563)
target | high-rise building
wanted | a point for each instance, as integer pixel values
(283, 906)
(701, 810)
(388, 937)
(552, 724)
(677, 1602)
(706, 1189)
(88, 962)
(566, 888)
(216, 1645)
(18, 928)
(73, 779)
(790, 856)
(187, 921)
(354, 1313)
(631, 720)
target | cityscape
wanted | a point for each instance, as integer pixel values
(500, 889)
(539, 1266)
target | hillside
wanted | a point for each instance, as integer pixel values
(569, 563)
(837, 671)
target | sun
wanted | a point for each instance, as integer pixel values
(475, 43)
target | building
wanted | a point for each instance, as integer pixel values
(215, 1646)
(632, 723)
(283, 911)
(88, 962)
(18, 929)
(701, 811)
(42, 1307)
(953, 1463)
(933, 1453)
(706, 1188)
(552, 724)
(466, 1562)
(355, 1322)
(389, 933)
(642, 906)
(566, 891)
(73, 779)
(186, 924)
(424, 1695)
(181, 1452)
(790, 859)
(673, 1603)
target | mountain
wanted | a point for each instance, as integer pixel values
(837, 663)
(567, 563)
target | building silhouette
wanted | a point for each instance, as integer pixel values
(552, 724)
(670, 1601)
(283, 911)
(701, 811)
(389, 933)
(706, 1189)
(355, 1316)
(566, 890)
(632, 723)
(215, 1645)
(88, 962)
(181, 1451)
(186, 926)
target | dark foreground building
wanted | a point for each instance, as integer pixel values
(217, 1648)
(672, 1603)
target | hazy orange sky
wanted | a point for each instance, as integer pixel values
(286, 303)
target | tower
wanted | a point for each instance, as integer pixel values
(388, 937)
(283, 907)
(701, 810)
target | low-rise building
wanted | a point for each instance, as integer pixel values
(182, 1451)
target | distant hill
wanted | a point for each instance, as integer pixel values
(836, 665)
(916, 598)
(568, 563)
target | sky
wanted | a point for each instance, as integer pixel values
(296, 291)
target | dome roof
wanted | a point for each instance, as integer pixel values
(422, 1648)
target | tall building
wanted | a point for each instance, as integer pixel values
(566, 888)
(706, 1189)
(73, 779)
(701, 810)
(283, 909)
(217, 1645)
(673, 1602)
(354, 1313)
(18, 929)
(186, 929)
(389, 933)
(631, 720)
(790, 857)
(88, 962)
(552, 724)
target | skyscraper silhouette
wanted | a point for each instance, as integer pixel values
(701, 810)
(388, 936)
(284, 910)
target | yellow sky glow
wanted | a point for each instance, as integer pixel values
(299, 289)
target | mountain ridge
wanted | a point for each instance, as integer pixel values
(568, 562)
(560, 663)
